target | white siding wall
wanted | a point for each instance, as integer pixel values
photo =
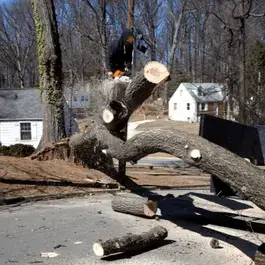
(10, 133)
(182, 99)
(79, 100)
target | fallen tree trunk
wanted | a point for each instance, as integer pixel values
(138, 206)
(131, 242)
(247, 180)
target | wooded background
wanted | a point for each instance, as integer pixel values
(199, 40)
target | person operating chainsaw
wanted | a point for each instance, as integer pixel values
(120, 51)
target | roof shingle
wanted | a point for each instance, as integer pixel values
(19, 104)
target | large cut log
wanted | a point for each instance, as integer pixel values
(138, 206)
(131, 242)
(121, 105)
(260, 255)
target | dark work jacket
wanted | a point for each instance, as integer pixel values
(120, 54)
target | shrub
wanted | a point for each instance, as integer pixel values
(17, 150)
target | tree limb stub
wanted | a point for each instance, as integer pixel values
(131, 242)
(245, 179)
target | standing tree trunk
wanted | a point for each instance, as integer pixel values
(173, 50)
(130, 18)
(103, 32)
(50, 70)
(242, 72)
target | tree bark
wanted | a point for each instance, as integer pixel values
(177, 23)
(126, 100)
(138, 206)
(260, 255)
(245, 179)
(50, 70)
(130, 15)
(131, 242)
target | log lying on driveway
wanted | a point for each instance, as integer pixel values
(138, 206)
(131, 242)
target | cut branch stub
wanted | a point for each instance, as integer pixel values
(131, 242)
(195, 154)
(138, 206)
(107, 116)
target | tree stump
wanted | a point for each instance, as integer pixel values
(260, 255)
(131, 242)
(138, 206)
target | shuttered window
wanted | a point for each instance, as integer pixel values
(25, 131)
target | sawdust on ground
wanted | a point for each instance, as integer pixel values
(62, 171)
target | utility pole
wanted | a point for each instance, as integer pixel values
(123, 136)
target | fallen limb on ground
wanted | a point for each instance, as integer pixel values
(131, 242)
(138, 206)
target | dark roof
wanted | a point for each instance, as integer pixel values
(18, 104)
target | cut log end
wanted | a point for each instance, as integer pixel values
(150, 209)
(195, 154)
(155, 72)
(98, 249)
(107, 116)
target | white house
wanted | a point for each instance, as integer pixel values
(20, 117)
(192, 99)
(78, 99)
(21, 114)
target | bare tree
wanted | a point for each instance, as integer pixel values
(17, 38)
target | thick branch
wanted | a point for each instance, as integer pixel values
(245, 179)
(124, 101)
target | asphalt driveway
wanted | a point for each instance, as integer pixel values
(73, 225)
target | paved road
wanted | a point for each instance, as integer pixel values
(28, 230)
(159, 162)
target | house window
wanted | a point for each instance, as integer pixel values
(86, 98)
(180, 92)
(188, 106)
(175, 106)
(75, 99)
(82, 98)
(25, 131)
(203, 106)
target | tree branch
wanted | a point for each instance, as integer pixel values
(248, 182)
